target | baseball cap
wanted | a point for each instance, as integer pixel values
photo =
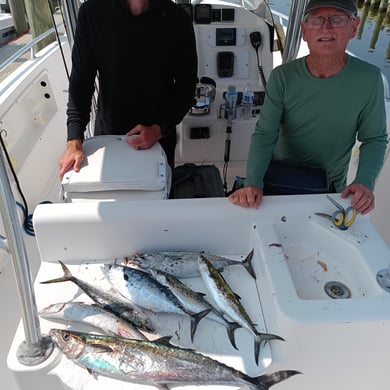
(345, 5)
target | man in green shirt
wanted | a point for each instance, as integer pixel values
(316, 107)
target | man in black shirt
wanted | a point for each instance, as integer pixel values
(144, 54)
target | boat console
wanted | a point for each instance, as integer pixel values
(227, 55)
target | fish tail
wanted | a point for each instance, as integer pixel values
(264, 382)
(231, 327)
(269, 336)
(67, 275)
(195, 318)
(247, 263)
(260, 337)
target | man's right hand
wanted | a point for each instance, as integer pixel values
(72, 157)
(250, 196)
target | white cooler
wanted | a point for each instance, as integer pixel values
(113, 170)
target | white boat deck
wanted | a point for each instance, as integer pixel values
(292, 261)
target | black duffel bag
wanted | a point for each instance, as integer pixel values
(196, 181)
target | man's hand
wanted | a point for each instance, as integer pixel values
(147, 136)
(72, 157)
(250, 196)
(363, 199)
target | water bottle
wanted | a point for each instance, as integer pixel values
(231, 102)
(247, 102)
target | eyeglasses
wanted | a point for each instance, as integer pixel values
(334, 20)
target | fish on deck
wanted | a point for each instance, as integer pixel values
(229, 303)
(156, 362)
(94, 315)
(109, 300)
(195, 301)
(143, 290)
(185, 264)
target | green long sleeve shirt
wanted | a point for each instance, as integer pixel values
(316, 121)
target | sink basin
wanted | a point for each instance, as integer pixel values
(323, 261)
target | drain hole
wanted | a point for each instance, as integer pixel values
(337, 290)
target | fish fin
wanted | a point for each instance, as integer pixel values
(67, 275)
(257, 350)
(232, 326)
(161, 386)
(165, 340)
(269, 336)
(93, 373)
(99, 348)
(49, 308)
(247, 263)
(200, 294)
(264, 382)
(195, 318)
(263, 337)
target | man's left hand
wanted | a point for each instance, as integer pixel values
(146, 136)
(363, 199)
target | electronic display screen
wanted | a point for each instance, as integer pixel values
(228, 14)
(202, 13)
(225, 37)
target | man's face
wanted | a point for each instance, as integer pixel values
(328, 39)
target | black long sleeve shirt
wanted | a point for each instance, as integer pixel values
(146, 64)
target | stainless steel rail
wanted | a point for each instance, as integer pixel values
(36, 348)
(29, 46)
(70, 9)
(293, 35)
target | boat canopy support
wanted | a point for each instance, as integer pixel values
(70, 12)
(294, 34)
(36, 348)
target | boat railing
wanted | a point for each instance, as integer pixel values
(28, 46)
(280, 18)
(386, 87)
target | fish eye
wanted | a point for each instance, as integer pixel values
(66, 336)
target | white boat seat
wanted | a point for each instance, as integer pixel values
(113, 170)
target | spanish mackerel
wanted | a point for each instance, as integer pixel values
(195, 301)
(93, 315)
(228, 302)
(154, 362)
(110, 301)
(140, 288)
(185, 264)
